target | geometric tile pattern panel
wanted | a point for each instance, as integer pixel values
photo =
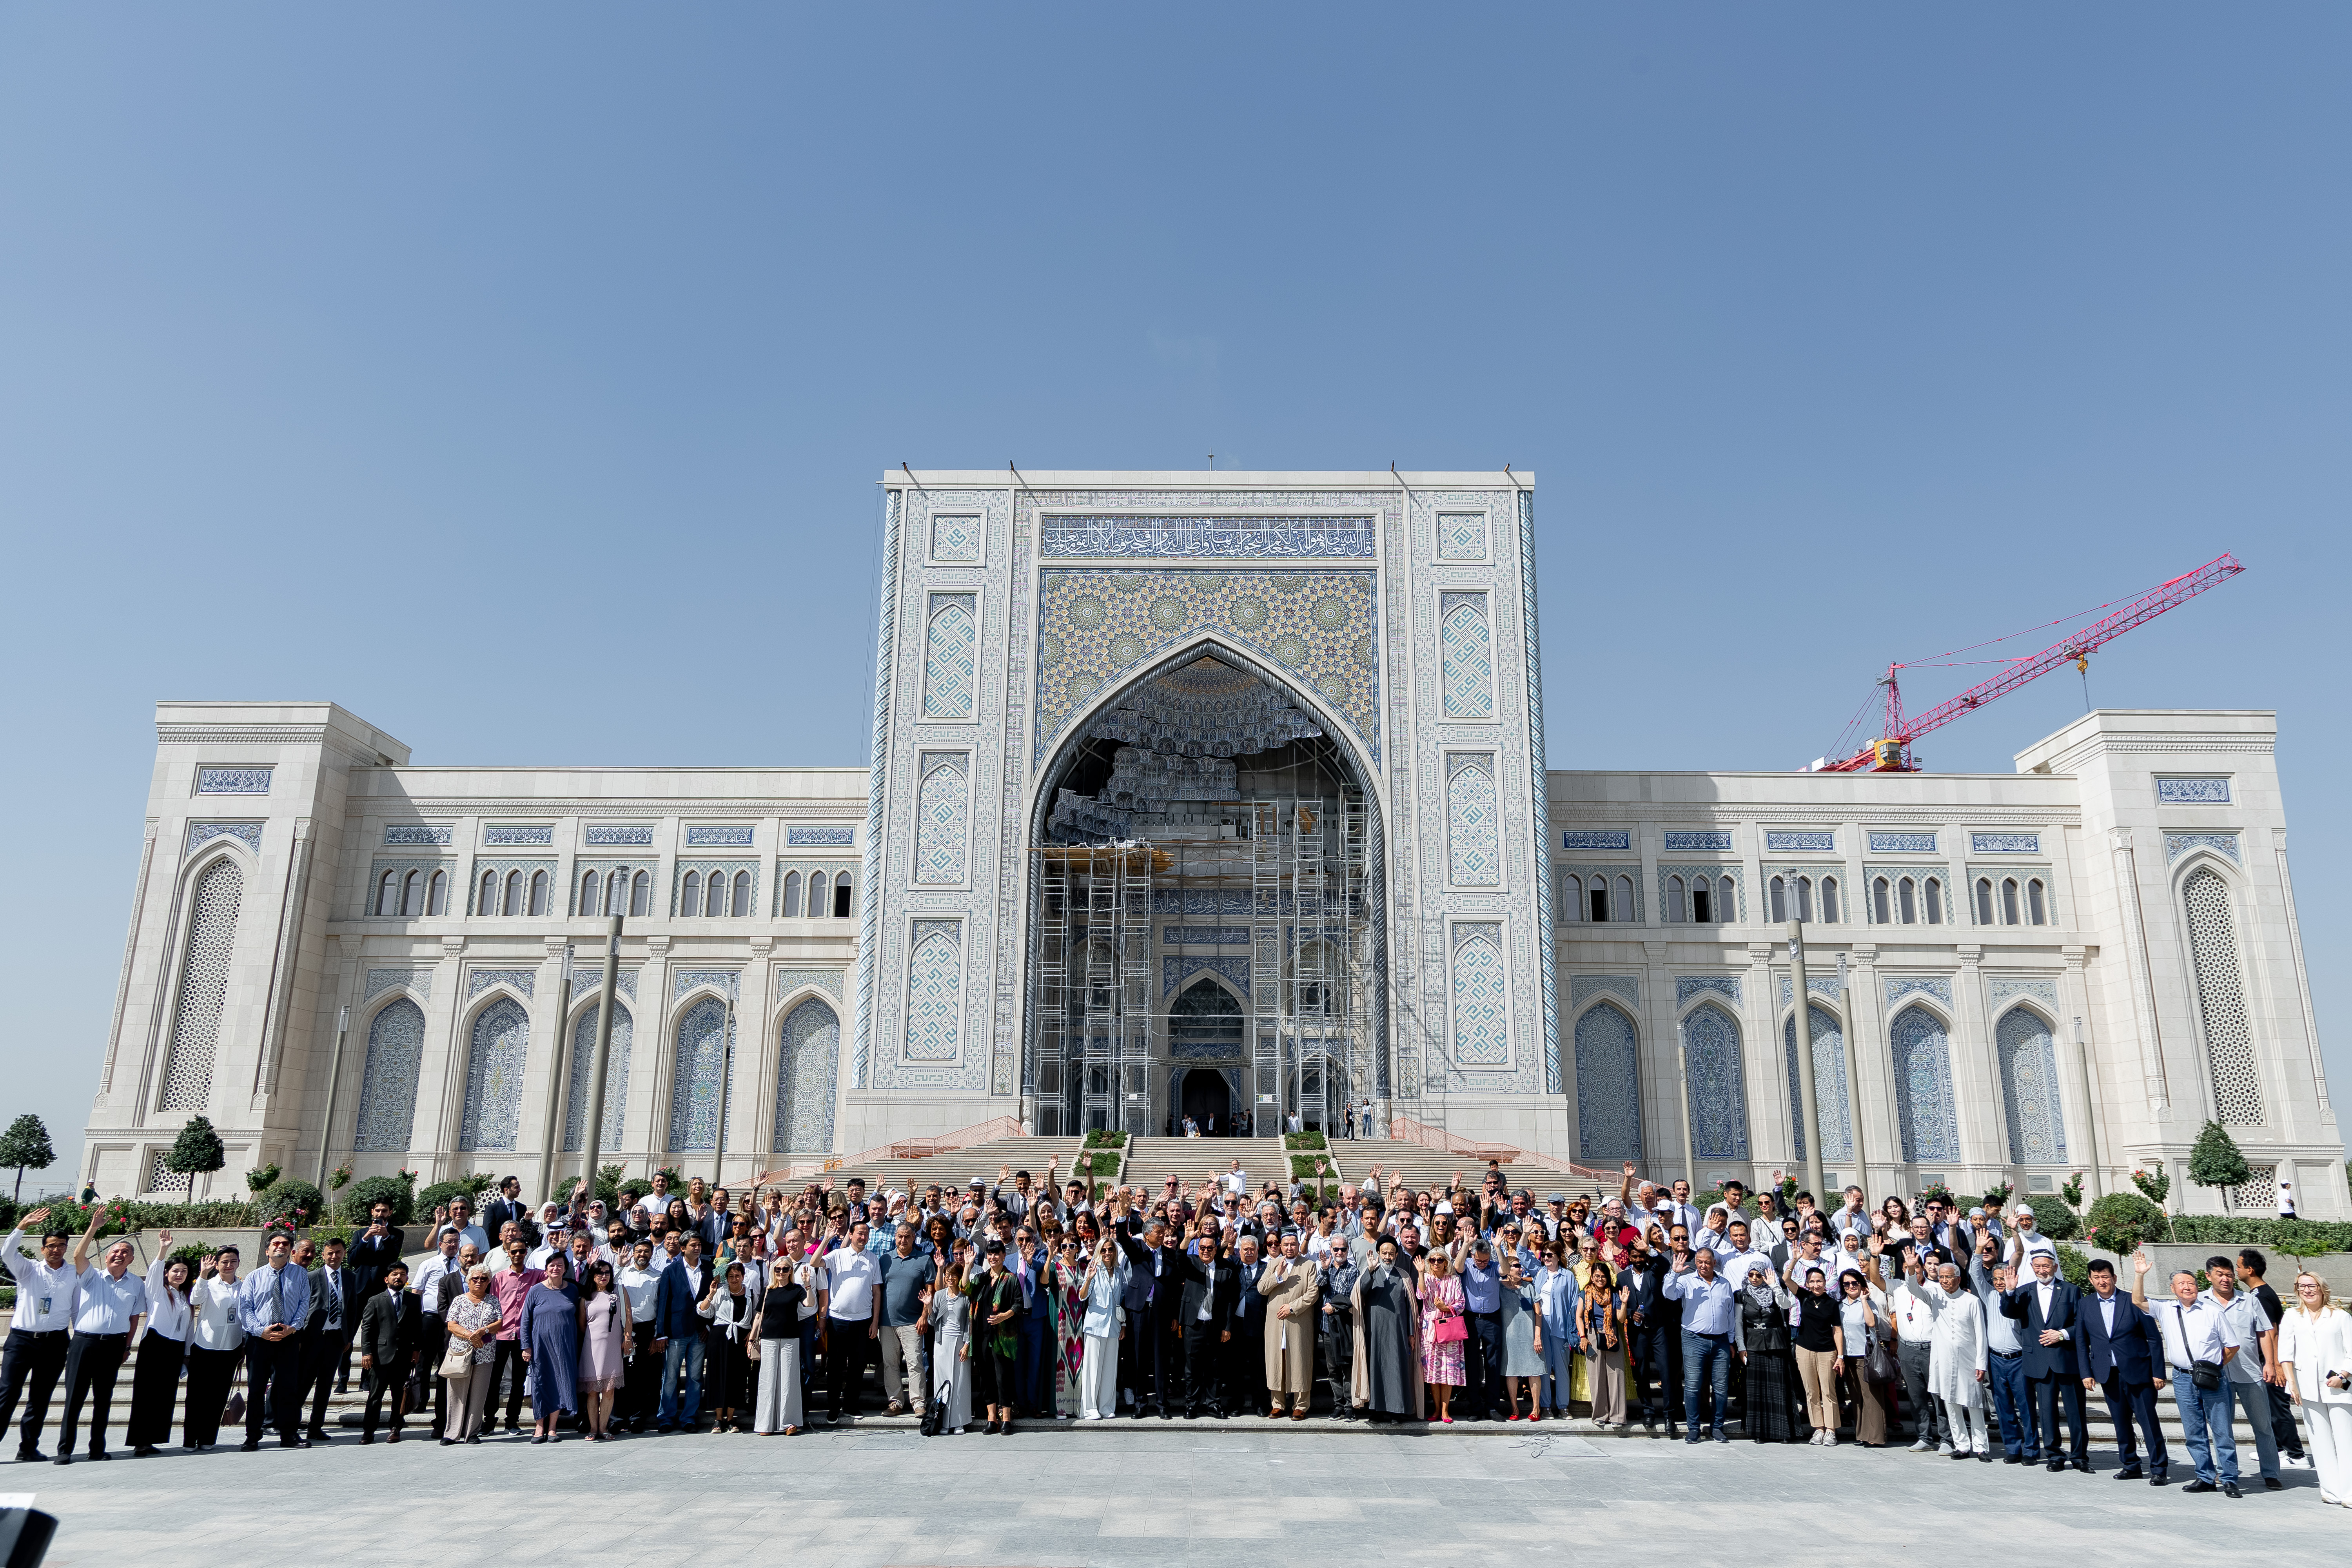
(2176, 844)
(821, 834)
(1829, 1085)
(204, 989)
(584, 1068)
(720, 979)
(1482, 1035)
(395, 1050)
(494, 1070)
(1461, 536)
(1243, 537)
(1689, 985)
(2005, 843)
(1320, 626)
(380, 981)
(1472, 833)
(245, 833)
(1582, 988)
(700, 1075)
(935, 993)
(480, 980)
(1598, 838)
(2193, 792)
(1608, 1086)
(805, 1068)
(1465, 656)
(2221, 997)
(506, 835)
(1898, 986)
(955, 537)
(1172, 970)
(1695, 839)
(1718, 1084)
(948, 659)
(2029, 1089)
(2008, 989)
(233, 781)
(787, 980)
(717, 836)
(1785, 842)
(1902, 843)
(941, 804)
(2258, 1193)
(1923, 1087)
(640, 836)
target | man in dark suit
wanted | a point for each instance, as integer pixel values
(1158, 1263)
(389, 1327)
(2121, 1355)
(508, 1205)
(1246, 1353)
(327, 1333)
(1211, 1288)
(2050, 1310)
(1139, 1347)
(376, 1249)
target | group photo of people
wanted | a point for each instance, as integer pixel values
(1029, 1302)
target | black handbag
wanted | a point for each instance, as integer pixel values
(935, 1416)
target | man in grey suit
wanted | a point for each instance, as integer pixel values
(334, 1318)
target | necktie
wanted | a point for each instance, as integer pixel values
(277, 1295)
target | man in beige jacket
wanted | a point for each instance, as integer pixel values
(1289, 1286)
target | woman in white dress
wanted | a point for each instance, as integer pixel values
(2314, 1351)
(951, 1348)
(1105, 1283)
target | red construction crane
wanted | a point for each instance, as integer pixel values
(1891, 752)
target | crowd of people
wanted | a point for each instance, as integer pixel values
(1028, 1300)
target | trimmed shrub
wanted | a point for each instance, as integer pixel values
(2052, 1219)
(2214, 1161)
(2120, 1222)
(293, 1199)
(1102, 1139)
(2074, 1266)
(1304, 1141)
(2293, 1236)
(366, 1193)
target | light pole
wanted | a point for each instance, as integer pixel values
(1809, 1105)
(2090, 1111)
(1853, 1092)
(556, 1075)
(335, 1070)
(1682, 1086)
(726, 1080)
(592, 1136)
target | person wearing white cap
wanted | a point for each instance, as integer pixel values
(2024, 1241)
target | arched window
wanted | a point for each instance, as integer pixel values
(486, 903)
(388, 894)
(2035, 908)
(514, 893)
(1608, 1086)
(791, 894)
(1829, 900)
(589, 888)
(842, 896)
(1934, 900)
(1984, 901)
(1829, 1085)
(1703, 909)
(817, 895)
(1910, 902)
(412, 894)
(538, 892)
(805, 1071)
(1804, 897)
(501, 1040)
(1726, 902)
(203, 987)
(2009, 901)
(1780, 900)
(698, 1083)
(714, 901)
(689, 898)
(1572, 897)
(742, 904)
(640, 894)
(584, 1067)
(1675, 895)
(436, 898)
(1718, 1093)
(388, 1087)
(1923, 1087)
(2222, 998)
(1878, 904)
(1625, 900)
(2029, 1089)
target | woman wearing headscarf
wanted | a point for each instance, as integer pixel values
(1760, 1326)
(551, 1348)
(155, 1381)
(1388, 1337)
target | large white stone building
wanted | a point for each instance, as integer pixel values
(1205, 794)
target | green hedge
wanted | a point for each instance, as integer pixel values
(1304, 1141)
(1302, 1167)
(2121, 1221)
(292, 1199)
(155, 1216)
(366, 1193)
(1106, 1140)
(2075, 1265)
(2295, 1238)
(2052, 1219)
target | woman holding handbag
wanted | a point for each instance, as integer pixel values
(473, 1321)
(1863, 1327)
(2315, 1351)
(1444, 1331)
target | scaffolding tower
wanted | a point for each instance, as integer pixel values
(1093, 1017)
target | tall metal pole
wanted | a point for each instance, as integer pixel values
(2090, 1111)
(592, 1136)
(1809, 1106)
(1682, 1086)
(555, 1077)
(335, 1070)
(726, 1080)
(1853, 1092)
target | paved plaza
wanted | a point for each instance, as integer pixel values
(1155, 1494)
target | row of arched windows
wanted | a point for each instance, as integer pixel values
(412, 892)
(808, 1037)
(1701, 900)
(618, 892)
(1907, 900)
(1810, 897)
(2012, 903)
(405, 894)
(715, 895)
(510, 894)
(826, 897)
(1609, 1079)
(1598, 897)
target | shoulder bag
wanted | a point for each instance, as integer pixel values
(456, 1361)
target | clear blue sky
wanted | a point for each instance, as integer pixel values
(357, 353)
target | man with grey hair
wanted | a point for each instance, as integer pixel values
(108, 1301)
(906, 1280)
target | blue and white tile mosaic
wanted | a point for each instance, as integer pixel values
(1185, 968)
(2005, 843)
(584, 1070)
(1689, 985)
(719, 835)
(1473, 820)
(1816, 982)
(1466, 657)
(203, 833)
(955, 536)
(950, 666)
(787, 980)
(1777, 841)
(724, 981)
(1482, 1036)
(622, 835)
(806, 1064)
(1583, 988)
(2029, 1089)
(1902, 843)
(516, 835)
(935, 991)
(1698, 841)
(395, 1051)
(406, 833)
(1718, 1081)
(480, 980)
(1461, 536)
(2004, 989)
(1213, 936)
(2176, 844)
(1608, 1085)
(494, 1072)
(380, 981)
(1597, 839)
(1829, 1084)
(944, 803)
(699, 1077)
(588, 980)
(1923, 1087)
(1199, 902)
(233, 781)
(1897, 986)
(1236, 537)
(2193, 791)
(820, 834)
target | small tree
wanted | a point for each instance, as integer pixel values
(2154, 1186)
(260, 1181)
(2215, 1161)
(197, 1150)
(27, 1146)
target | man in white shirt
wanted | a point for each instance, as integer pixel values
(853, 1318)
(657, 1203)
(108, 1301)
(2197, 1338)
(639, 1281)
(1915, 1337)
(1235, 1181)
(38, 1335)
(458, 1215)
(2024, 1241)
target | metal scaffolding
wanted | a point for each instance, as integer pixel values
(1093, 1013)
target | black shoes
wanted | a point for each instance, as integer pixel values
(144, 1451)
(250, 1445)
(2083, 1465)
(30, 1455)
(62, 1459)
(2200, 1486)
(2010, 1459)
(2230, 1488)
(2272, 1484)
(2129, 1473)
(2054, 1466)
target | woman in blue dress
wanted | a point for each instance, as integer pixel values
(551, 1348)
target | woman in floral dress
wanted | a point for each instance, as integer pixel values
(1441, 1303)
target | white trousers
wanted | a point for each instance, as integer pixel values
(2327, 1433)
(1967, 1427)
(902, 1366)
(777, 1377)
(1098, 1377)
